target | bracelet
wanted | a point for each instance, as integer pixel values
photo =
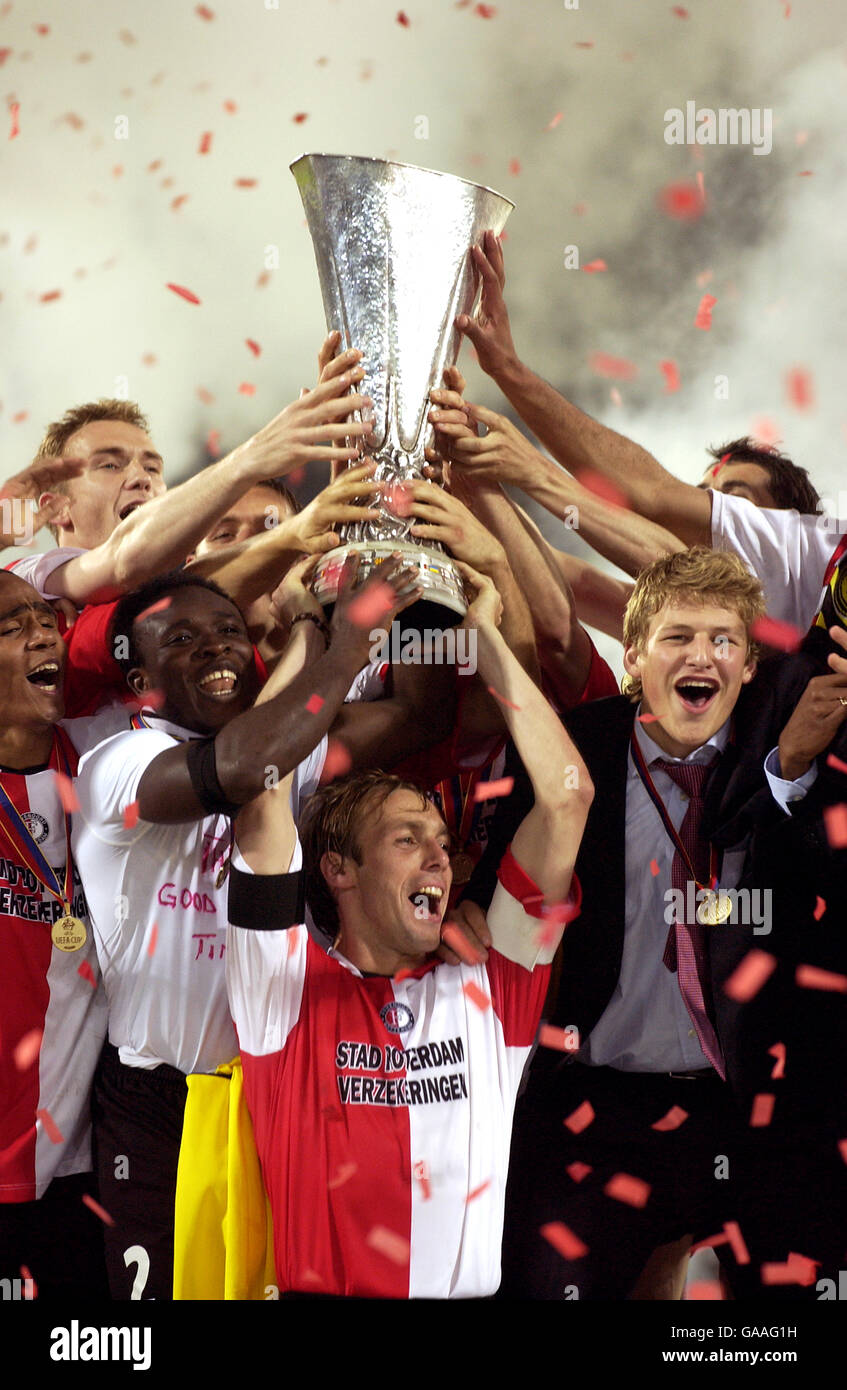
(312, 618)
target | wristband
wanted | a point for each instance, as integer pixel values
(312, 618)
(200, 760)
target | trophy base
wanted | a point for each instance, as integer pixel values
(436, 576)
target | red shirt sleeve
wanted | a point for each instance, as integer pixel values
(92, 676)
(601, 679)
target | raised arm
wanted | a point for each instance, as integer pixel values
(284, 728)
(581, 444)
(159, 535)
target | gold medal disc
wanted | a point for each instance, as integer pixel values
(715, 909)
(68, 933)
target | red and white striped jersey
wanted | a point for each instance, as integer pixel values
(47, 994)
(382, 1108)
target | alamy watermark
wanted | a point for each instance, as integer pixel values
(452, 646)
(17, 516)
(738, 907)
(726, 126)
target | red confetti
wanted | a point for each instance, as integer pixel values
(748, 977)
(205, 396)
(213, 443)
(626, 1188)
(27, 1049)
(762, 1111)
(776, 633)
(805, 173)
(477, 1191)
(799, 388)
(403, 18)
(813, 977)
(682, 201)
(737, 1242)
(315, 704)
(455, 938)
(563, 1239)
(578, 1171)
(204, 12)
(247, 389)
(671, 375)
(488, 791)
(343, 1174)
(798, 1269)
(514, 166)
(842, 1148)
(778, 1051)
(557, 1039)
(25, 1274)
(584, 43)
(4, 54)
(98, 1210)
(51, 1129)
(389, 1244)
(703, 318)
(835, 821)
(551, 125)
(647, 718)
(14, 110)
(604, 489)
(253, 346)
(704, 1291)
(591, 267)
(420, 1172)
(50, 295)
(154, 936)
(130, 816)
(205, 142)
(654, 868)
(674, 1118)
(820, 908)
(160, 606)
(292, 943)
(181, 290)
(300, 117)
(679, 11)
(246, 183)
(176, 203)
(67, 793)
(368, 607)
(618, 367)
(231, 107)
(87, 974)
(502, 698)
(476, 996)
(337, 761)
(485, 11)
(41, 29)
(832, 761)
(581, 1118)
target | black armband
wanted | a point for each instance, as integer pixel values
(266, 902)
(204, 779)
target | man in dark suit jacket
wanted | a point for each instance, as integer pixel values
(627, 1136)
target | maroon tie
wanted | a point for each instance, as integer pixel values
(685, 950)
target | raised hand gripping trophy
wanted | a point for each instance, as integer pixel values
(392, 244)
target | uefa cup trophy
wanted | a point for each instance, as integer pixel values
(392, 244)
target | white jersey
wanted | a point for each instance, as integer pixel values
(787, 551)
(38, 569)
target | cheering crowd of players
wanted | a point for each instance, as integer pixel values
(280, 921)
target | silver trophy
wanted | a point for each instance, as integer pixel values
(392, 243)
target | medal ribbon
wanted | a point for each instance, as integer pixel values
(15, 829)
(644, 773)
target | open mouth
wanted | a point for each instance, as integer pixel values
(697, 695)
(219, 684)
(45, 676)
(129, 509)
(428, 899)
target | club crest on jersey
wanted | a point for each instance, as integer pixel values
(36, 825)
(398, 1018)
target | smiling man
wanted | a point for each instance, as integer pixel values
(153, 839)
(639, 1101)
(380, 1081)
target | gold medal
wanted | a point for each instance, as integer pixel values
(714, 909)
(68, 933)
(463, 866)
(221, 874)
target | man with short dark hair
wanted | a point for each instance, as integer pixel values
(763, 475)
(380, 1082)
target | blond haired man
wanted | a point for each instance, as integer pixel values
(643, 1016)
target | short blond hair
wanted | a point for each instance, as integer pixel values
(697, 576)
(60, 431)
